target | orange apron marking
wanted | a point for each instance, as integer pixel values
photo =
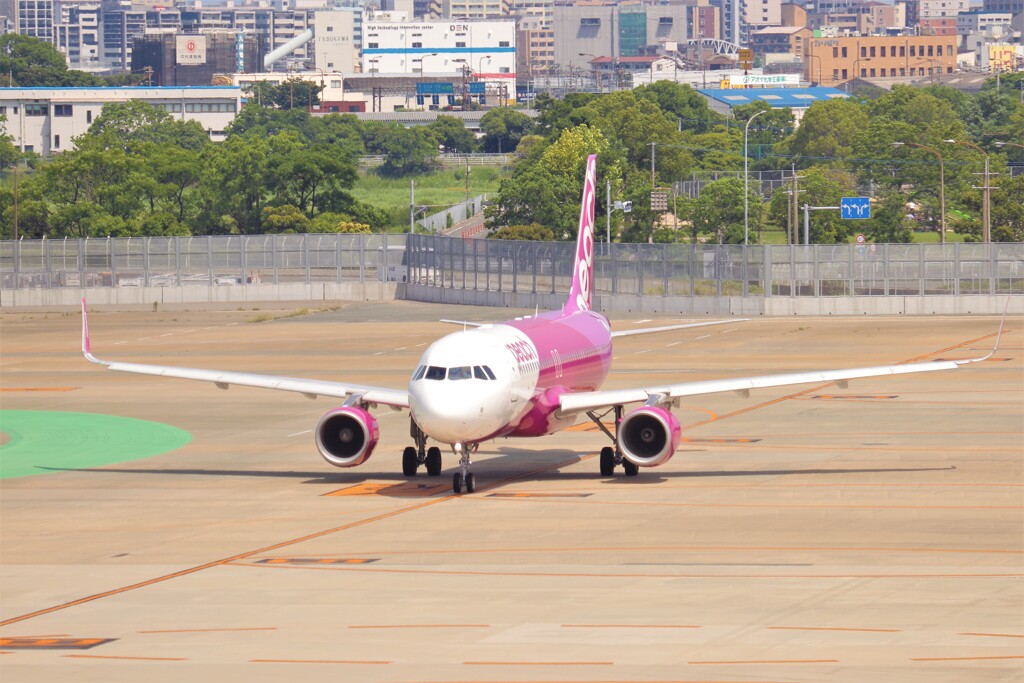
(23, 643)
(403, 490)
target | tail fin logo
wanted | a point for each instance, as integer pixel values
(582, 280)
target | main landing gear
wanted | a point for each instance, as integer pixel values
(464, 477)
(414, 456)
(611, 456)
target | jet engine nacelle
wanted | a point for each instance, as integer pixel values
(346, 436)
(649, 436)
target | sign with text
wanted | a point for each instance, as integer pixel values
(435, 89)
(190, 50)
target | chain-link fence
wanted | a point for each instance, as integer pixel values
(528, 267)
(214, 260)
(722, 270)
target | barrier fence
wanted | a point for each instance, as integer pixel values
(705, 270)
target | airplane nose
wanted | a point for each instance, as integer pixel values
(450, 416)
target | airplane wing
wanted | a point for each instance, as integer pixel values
(308, 387)
(592, 400)
(652, 330)
(464, 323)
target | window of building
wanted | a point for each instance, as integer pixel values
(336, 84)
(665, 21)
(913, 51)
(372, 46)
(503, 43)
(503, 70)
(330, 29)
(938, 50)
(88, 116)
(903, 50)
(863, 52)
(881, 51)
(844, 75)
(460, 44)
(931, 50)
(835, 53)
(903, 72)
(844, 53)
(62, 110)
(56, 142)
(590, 21)
(872, 50)
(835, 75)
(417, 44)
(872, 73)
(3, 111)
(37, 109)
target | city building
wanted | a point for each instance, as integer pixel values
(484, 50)
(184, 59)
(535, 51)
(78, 34)
(120, 29)
(979, 21)
(47, 120)
(780, 40)
(584, 32)
(798, 100)
(474, 10)
(334, 46)
(844, 58)
(35, 18)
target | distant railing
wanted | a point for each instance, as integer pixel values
(708, 270)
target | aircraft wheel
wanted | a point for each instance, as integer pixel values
(410, 461)
(607, 461)
(470, 483)
(433, 461)
(457, 483)
(631, 469)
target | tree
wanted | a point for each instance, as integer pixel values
(284, 219)
(452, 134)
(1008, 209)
(406, 150)
(827, 131)
(719, 212)
(31, 62)
(681, 103)
(133, 125)
(534, 232)
(503, 128)
(293, 93)
(889, 222)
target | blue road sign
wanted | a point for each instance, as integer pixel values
(855, 207)
(434, 89)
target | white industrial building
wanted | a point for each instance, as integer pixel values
(484, 50)
(47, 120)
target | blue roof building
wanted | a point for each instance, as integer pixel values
(797, 99)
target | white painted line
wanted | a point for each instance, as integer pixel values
(400, 348)
(644, 351)
(169, 334)
(704, 337)
(211, 328)
(116, 343)
(380, 353)
(189, 331)
(641, 322)
(731, 329)
(142, 339)
(232, 324)
(300, 433)
(676, 343)
(419, 345)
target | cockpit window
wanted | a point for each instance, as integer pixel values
(478, 372)
(434, 372)
(461, 372)
(419, 372)
(489, 373)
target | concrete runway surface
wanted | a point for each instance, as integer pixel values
(804, 533)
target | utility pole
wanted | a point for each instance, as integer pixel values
(986, 196)
(412, 205)
(653, 183)
(608, 215)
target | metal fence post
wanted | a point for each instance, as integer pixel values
(640, 269)
(209, 259)
(766, 251)
(146, 241)
(81, 263)
(305, 256)
(816, 287)
(956, 268)
(992, 250)
(693, 259)
(46, 261)
(746, 280)
(243, 244)
(664, 270)
(920, 269)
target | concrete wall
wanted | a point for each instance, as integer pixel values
(297, 292)
(731, 306)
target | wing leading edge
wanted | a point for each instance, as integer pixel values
(592, 400)
(223, 379)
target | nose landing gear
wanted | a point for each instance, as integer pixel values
(464, 477)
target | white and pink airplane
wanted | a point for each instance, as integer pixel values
(525, 377)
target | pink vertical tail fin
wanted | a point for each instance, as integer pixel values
(583, 271)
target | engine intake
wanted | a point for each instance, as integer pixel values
(346, 436)
(649, 436)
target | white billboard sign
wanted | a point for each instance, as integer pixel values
(773, 80)
(191, 50)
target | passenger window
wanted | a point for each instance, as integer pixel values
(462, 372)
(434, 372)
(478, 372)
(489, 373)
(419, 373)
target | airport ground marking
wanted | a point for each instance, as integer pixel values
(771, 661)
(834, 628)
(993, 635)
(499, 663)
(319, 661)
(37, 389)
(209, 630)
(963, 659)
(142, 659)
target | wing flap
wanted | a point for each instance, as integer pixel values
(652, 330)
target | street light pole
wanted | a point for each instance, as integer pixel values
(942, 185)
(986, 216)
(746, 179)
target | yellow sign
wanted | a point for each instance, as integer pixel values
(746, 58)
(1000, 58)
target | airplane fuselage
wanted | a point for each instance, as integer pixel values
(533, 360)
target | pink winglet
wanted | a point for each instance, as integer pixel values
(583, 272)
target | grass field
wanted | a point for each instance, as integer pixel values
(437, 190)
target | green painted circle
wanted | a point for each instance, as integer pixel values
(41, 442)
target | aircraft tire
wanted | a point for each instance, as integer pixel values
(631, 469)
(410, 461)
(433, 461)
(607, 461)
(470, 483)
(457, 483)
